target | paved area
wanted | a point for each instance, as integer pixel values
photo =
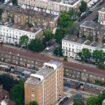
(95, 9)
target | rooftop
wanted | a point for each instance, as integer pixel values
(24, 28)
(43, 73)
(70, 2)
(29, 12)
(102, 10)
(89, 24)
(93, 25)
(43, 58)
(73, 39)
(80, 40)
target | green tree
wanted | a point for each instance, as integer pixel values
(101, 97)
(101, 66)
(97, 55)
(24, 40)
(17, 93)
(83, 6)
(48, 35)
(78, 102)
(33, 103)
(64, 19)
(73, 29)
(93, 100)
(7, 81)
(58, 51)
(36, 45)
(59, 35)
(14, 2)
(1, 11)
(86, 54)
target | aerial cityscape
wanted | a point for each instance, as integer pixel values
(52, 52)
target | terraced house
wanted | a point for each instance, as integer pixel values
(20, 16)
(34, 61)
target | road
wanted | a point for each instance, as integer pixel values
(94, 14)
(19, 67)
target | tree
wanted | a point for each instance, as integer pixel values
(36, 45)
(73, 29)
(58, 51)
(64, 19)
(17, 93)
(93, 100)
(24, 40)
(2, 1)
(78, 102)
(96, 100)
(97, 55)
(83, 6)
(14, 2)
(101, 97)
(7, 81)
(1, 11)
(59, 35)
(86, 54)
(101, 66)
(48, 35)
(33, 103)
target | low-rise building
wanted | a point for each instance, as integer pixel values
(50, 6)
(71, 45)
(32, 60)
(46, 86)
(11, 34)
(90, 28)
(20, 16)
(4, 97)
(101, 16)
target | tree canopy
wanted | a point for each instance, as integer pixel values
(78, 102)
(24, 40)
(48, 35)
(33, 103)
(60, 33)
(7, 81)
(58, 51)
(85, 54)
(14, 2)
(83, 6)
(17, 93)
(36, 45)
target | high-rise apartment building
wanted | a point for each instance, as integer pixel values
(46, 86)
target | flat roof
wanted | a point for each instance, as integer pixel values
(43, 73)
(93, 25)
